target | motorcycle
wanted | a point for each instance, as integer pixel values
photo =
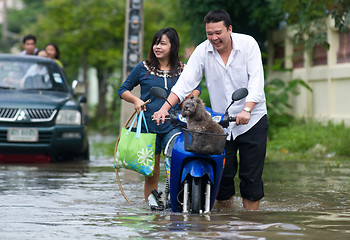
(193, 177)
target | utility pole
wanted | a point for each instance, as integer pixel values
(4, 21)
(133, 46)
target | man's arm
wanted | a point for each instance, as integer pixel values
(194, 93)
(255, 84)
(163, 111)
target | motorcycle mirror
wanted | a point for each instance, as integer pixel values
(239, 94)
(159, 92)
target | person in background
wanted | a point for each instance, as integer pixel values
(162, 69)
(231, 61)
(39, 70)
(53, 53)
(42, 53)
(11, 80)
(29, 45)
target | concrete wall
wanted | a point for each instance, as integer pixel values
(326, 71)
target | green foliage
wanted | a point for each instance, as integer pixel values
(6, 44)
(88, 32)
(253, 17)
(308, 19)
(340, 11)
(312, 138)
(259, 17)
(166, 13)
(102, 148)
(19, 20)
(277, 100)
(205, 93)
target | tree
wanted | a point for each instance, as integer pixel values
(15, 19)
(165, 13)
(308, 19)
(340, 11)
(253, 17)
(89, 34)
(259, 17)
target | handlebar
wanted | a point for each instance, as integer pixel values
(222, 119)
(232, 119)
(176, 119)
(167, 118)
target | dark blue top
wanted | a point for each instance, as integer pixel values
(146, 78)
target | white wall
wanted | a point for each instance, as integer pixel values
(330, 99)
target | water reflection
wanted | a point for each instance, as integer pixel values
(82, 200)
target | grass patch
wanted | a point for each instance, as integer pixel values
(310, 139)
(103, 148)
(102, 144)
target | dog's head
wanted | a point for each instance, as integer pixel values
(193, 108)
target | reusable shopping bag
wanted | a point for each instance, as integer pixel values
(135, 150)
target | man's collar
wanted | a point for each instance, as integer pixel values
(210, 46)
(235, 45)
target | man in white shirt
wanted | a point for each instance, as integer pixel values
(29, 45)
(230, 61)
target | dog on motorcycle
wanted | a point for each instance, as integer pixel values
(199, 121)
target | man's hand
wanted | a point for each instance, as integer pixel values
(242, 118)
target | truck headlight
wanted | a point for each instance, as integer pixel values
(68, 117)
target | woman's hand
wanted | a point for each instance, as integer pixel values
(139, 105)
(159, 116)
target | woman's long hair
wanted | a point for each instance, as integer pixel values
(174, 61)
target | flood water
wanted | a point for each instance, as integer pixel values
(81, 200)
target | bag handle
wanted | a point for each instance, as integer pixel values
(144, 121)
(139, 121)
(132, 124)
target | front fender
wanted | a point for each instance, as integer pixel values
(197, 168)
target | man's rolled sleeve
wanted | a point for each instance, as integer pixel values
(256, 75)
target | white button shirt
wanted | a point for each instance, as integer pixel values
(243, 69)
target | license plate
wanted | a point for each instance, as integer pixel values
(22, 135)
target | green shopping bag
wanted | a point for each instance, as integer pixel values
(135, 150)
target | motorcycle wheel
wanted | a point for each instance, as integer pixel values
(196, 196)
(186, 197)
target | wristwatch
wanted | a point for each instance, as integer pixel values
(247, 109)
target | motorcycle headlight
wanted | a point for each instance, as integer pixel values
(68, 117)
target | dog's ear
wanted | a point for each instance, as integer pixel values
(183, 108)
(199, 109)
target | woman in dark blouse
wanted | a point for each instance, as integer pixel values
(162, 69)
